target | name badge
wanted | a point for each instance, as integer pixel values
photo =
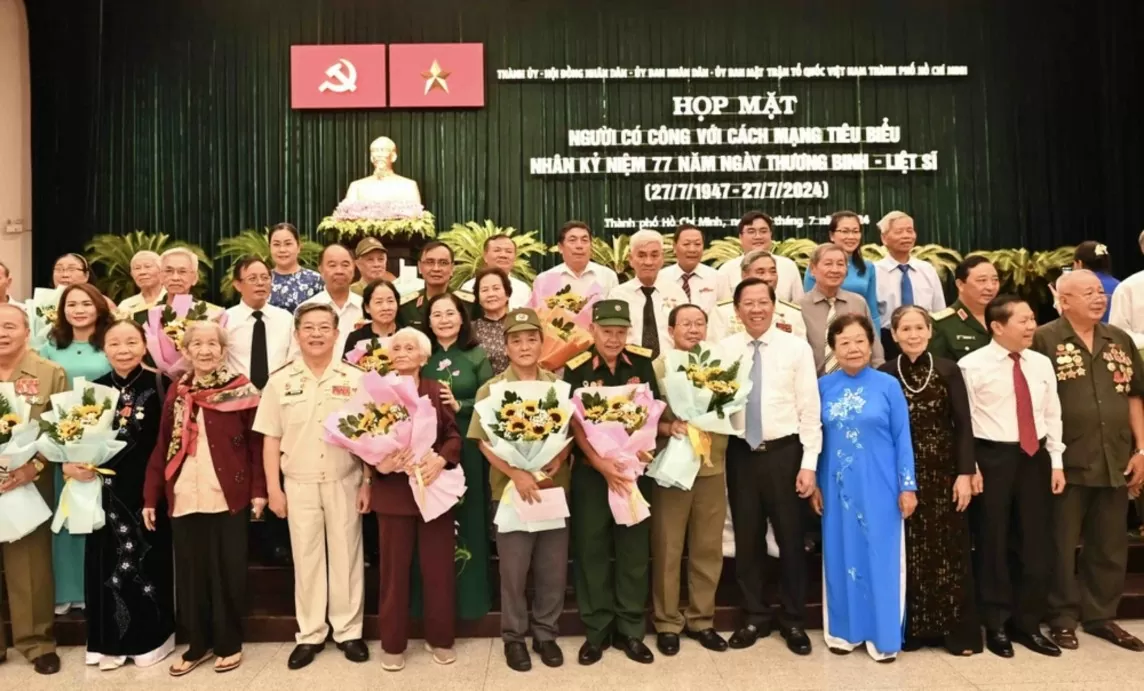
(963, 337)
(342, 391)
(292, 389)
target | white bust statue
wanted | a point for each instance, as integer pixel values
(384, 185)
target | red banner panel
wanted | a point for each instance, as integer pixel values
(437, 75)
(343, 76)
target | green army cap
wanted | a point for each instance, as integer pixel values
(611, 313)
(522, 319)
(368, 245)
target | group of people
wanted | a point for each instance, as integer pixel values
(956, 456)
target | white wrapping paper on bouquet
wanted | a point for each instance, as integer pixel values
(23, 509)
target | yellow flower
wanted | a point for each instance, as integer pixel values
(510, 410)
(556, 417)
(531, 408)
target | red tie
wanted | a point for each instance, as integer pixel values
(1026, 427)
(687, 285)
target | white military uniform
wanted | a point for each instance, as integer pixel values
(321, 488)
(724, 321)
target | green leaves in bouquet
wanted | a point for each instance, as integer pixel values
(467, 240)
(563, 328)
(594, 400)
(550, 401)
(510, 397)
(256, 243)
(197, 312)
(168, 314)
(110, 255)
(349, 426)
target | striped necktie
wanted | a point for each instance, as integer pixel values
(687, 284)
(830, 363)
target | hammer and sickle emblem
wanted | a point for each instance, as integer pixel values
(340, 80)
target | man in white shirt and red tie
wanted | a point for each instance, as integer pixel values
(771, 468)
(1016, 416)
(697, 280)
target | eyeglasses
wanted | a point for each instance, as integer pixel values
(257, 280)
(756, 232)
(320, 329)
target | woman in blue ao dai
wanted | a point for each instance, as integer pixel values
(866, 488)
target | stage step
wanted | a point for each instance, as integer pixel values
(270, 594)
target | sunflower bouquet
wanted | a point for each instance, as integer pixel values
(703, 387)
(167, 325)
(372, 355)
(43, 311)
(23, 509)
(385, 415)
(526, 424)
(620, 422)
(78, 429)
(550, 294)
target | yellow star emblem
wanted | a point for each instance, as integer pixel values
(435, 78)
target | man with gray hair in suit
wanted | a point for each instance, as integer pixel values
(826, 301)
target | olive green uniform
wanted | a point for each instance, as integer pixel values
(1094, 389)
(694, 516)
(611, 599)
(956, 333)
(27, 562)
(412, 309)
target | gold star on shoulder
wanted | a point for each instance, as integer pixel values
(435, 78)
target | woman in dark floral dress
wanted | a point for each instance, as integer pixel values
(128, 582)
(940, 608)
(492, 291)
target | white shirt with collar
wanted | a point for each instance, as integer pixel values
(1127, 310)
(928, 293)
(790, 401)
(666, 296)
(280, 344)
(988, 374)
(789, 287)
(349, 316)
(593, 274)
(703, 283)
(724, 321)
(521, 291)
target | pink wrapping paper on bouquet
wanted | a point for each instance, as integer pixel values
(612, 441)
(356, 429)
(548, 292)
(165, 328)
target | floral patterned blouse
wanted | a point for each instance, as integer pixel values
(490, 334)
(290, 290)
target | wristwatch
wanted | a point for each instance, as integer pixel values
(1138, 452)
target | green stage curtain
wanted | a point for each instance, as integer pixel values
(175, 116)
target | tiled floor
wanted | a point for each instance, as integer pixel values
(480, 665)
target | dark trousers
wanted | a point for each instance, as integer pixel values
(760, 486)
(1014, 515)
(397, 537)
(545, 554)
(612, 560)
(1087, 589)
(210, 580)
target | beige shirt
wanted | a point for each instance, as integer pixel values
(294, 407)
(197, 490)
(816, 309)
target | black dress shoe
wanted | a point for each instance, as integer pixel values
(709, 639)
(550, 653)
(302, 655)
(746, 637)
(355, 650)
(48, 663)
(1037, 642)
(517, 657)
(796, 640)
(281, 556)
(590, 653)
(634, 648)
(998, 643)
(667, 643)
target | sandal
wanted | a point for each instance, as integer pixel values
(221, 665)
(178, 669)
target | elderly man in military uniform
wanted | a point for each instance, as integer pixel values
(693, 516)
(27, 562)
(545, 552)
(370, 256)
(435, 264)
(724, 320)
(1100, 379)
(326, 489)
(959, 329)
(609, 594)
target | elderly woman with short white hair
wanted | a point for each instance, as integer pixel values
(401, 530)
(207, 467)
